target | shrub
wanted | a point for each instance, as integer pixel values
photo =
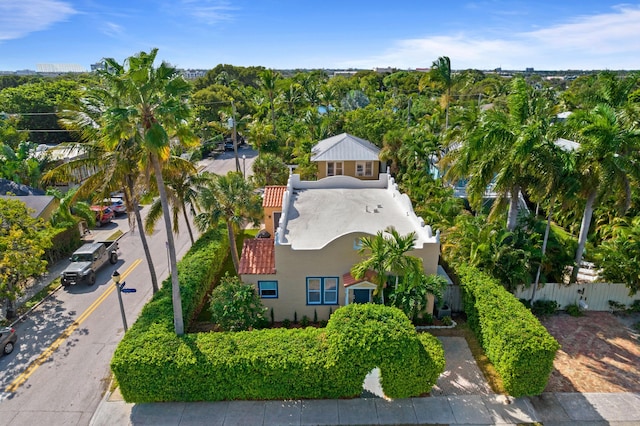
(544, 307)
(574, 310)
(236, 306)
(520, 348)
(616, 306)
(305, 321)
(364, 336)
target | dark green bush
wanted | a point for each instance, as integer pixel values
(236, 306)
(544, 307)
(520, 348)
(573, 310)
(364, 336)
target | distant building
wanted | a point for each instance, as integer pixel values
(54, 70)
(192, 74)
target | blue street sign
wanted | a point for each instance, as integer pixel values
(128, 290)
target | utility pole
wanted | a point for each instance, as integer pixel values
(234, 136)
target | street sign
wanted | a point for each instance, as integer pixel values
(128, 290)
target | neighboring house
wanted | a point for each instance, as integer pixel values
(305, 268)
(272, 206)
(64, 153)
(347, 155)
(42, 205)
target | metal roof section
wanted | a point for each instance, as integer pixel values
(318, 212)
(59, 68)
(567, 145)
(344, 147)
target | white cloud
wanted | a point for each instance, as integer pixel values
(605, 41)
(209, 11)
(19, 18)
(112, 29)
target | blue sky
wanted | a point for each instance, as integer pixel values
(482, 34)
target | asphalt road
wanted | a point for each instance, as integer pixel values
(59, 369)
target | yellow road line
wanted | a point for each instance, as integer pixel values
(65, 334)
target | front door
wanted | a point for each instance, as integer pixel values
(361, 295)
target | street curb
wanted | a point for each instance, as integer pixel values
(23, 316)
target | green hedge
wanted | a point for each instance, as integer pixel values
(152, 364)
(519, 347)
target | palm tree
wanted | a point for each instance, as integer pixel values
(387, 256)
(375, 249)
(232, 199)
(268, 80)
(153, 112)
(440, 75)
(605, 163)
(501, 149)
(182, 183)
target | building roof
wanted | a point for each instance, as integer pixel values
(258, 257)
(60, 68)
(39, 204)
(344, 147)
(567, 145)
(10, 187)
(318, 212)
(273, 195)
(349, 280)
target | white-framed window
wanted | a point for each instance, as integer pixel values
(322, 290)
(334, 168)
(268, 289)
(364, 168)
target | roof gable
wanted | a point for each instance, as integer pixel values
(273, 195)
(258, 257)
(344, 147)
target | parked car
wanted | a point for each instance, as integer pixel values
(115, 204)
(8, 339)
(104, 215)
(87, 260)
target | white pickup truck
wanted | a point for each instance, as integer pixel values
(86, 261)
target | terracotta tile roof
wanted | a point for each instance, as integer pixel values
(258, 257)
(349, 280)
(273, 196)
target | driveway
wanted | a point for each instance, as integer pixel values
(600, 352)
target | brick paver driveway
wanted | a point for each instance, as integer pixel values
(599, 353)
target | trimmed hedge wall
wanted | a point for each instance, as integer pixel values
(152, 364)
(519, 347)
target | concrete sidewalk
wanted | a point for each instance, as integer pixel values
(548, 408)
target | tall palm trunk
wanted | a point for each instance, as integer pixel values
(178, 320)
(584, 231)
(233, 245)
(143, 237)
(186, 219)
(512, 218)
(145, 246)
(544, 249)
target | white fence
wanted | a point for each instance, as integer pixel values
(595, 296)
